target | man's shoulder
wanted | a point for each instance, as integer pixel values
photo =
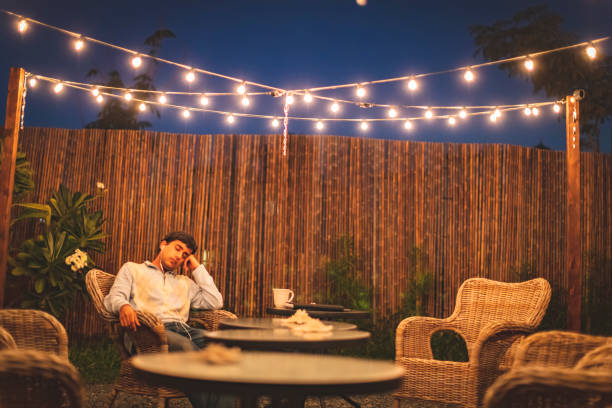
(133, 266)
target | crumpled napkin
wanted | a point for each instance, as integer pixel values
(301, 323)
(219, 354)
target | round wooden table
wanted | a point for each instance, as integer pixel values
(272, 323)
(280, 375)
(323, 314)
(280, 339)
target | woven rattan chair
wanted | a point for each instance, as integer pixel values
(545, 376)
(30, 378)
(35, 330)
(149, 338)
(492, 317)
(6, 340)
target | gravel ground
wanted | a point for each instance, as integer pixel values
(98, 397)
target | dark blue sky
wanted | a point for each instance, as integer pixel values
(293, 44)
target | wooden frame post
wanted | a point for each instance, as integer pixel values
(573, 237)
(10, 136)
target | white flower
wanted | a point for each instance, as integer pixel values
(100, 185)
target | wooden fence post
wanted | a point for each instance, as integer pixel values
(573, 237)
(10, 137)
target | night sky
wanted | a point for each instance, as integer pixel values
(293, 44)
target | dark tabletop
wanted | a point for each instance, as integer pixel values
(272, 323)
(323, 314)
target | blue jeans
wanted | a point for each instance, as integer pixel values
(182, 337)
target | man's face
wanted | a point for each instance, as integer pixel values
(173, 254)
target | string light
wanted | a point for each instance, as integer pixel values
(58, 87)
(136, 61)
(529, 65)
(364, 125)
(241, 89)
(319, 125)
(142, 107)
(468, 75)
(162, 99)
(127, 96)
(429, 113)
(452, 121)
(245, 101)
(275, 123)
(186, 113)
(99, 98)
(22, 26)
(307, 97)
(556, 108)
(95, 91)
(79, 44)
(413, 85)
(289, 99)
(527, 111)
(463, 113)
(407, 125)
(497, 113)
(392, 113)
(493, 118)
(190, 76)
(535, 111)
(335, 107)
(591, 51)
(203, 100)
(32, 82)
(360, 92)
(231, 119)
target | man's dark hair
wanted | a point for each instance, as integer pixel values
(184, 237)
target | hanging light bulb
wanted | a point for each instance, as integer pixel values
(190, 76)
(162, 99)
(463, 113)
(127, 96)
(335, 107)
(33, 81)
(245, 101)
(392, 112)
(452, 121)
(535, 111)
(230, 119)
(186, 113)
(428, 113)
(142, 107)
(289, 99)
(364, 125)
(407, 125)
(556, 108)
(413, 85)
(22, 26)
(493, 117)
(360, 92)
(241, 89)
(591, 51)
(203, 100)
(58, 87)
(468, 75)
(275, 123)
(529, 65)
(497, 113)
(307, 97)
(319, 125)
(527, 111)
(79, 44)
(99, 99)
(136, 61)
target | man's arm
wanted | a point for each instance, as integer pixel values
(203, 292)
(118, 299)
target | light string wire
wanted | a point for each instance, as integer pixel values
(489, 108)
(302, 91)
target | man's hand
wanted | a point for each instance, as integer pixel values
(128, 317)
(190, 265)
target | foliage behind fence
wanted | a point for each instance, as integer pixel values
(271, 221)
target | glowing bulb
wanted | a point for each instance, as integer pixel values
(58, 87)
(413, 85)
(307, 97)
(319, 125)
(22, 26)
(186, 113)
(429, 114)
(556, 108)
(497, 113)
(289, 99)
(335, 107)
(535, 111)
(203, 100)
(231, 119)
(363, 125)
(407, 125)
(469, 75)
(241, 89)
(99, 99)
(529, 64)
(361, 92)
(275, 123)
(572, 99)
(79, 44)
(527, 111)
(95, 91)
(33, 81)
(127, 96)
(463, 114)
(190, 76)
(142, 107)
(591, 52)
(136, 61)
(245, 101)
(392, 113)
(493, 117)
(162, 99)
(452, 121)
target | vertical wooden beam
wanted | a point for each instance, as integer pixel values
(573, 238)
(10, 137)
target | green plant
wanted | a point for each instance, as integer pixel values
(52, 262)
(96, 359)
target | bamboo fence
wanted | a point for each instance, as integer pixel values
(270, 221)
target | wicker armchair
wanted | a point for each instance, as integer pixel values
(35, 330)
(30, 378)
(149, 338)
(492, 317)
(6, 340)
(557, 370)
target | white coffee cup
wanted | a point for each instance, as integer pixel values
(282, 297)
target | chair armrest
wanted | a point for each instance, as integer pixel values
(209, 319)
(413, 334)
(556, 349)
(547, 387)
(6, 340)
(149, 337)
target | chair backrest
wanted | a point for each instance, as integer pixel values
(30, 378)
(600, 358)
(98, 285)
(482, 301)
(35, 330)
